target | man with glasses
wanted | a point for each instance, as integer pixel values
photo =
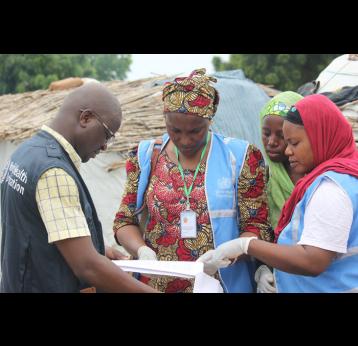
(52, 239)
(110, 137)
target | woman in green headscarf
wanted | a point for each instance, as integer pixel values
(281, 178)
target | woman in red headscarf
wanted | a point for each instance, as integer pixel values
(317, 233)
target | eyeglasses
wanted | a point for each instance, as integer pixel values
(110, 137)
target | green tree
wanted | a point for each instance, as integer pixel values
(283, 71)
(27, 72)
(111, 66)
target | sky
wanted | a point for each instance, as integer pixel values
(149, 65)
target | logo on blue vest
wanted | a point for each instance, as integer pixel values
(224, 183)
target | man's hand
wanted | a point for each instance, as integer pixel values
(223, 255)
(265, 280)
(114, 254)
(146, 253)
(97, 270)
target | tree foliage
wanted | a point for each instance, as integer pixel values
(27, 72)
(282, 71)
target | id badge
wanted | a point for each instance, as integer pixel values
(188, 224)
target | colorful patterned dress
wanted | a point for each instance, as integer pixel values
(165, 199)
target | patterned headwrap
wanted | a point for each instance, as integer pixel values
(192, 95)
(280, 104)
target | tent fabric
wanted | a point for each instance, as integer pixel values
(343, 96)
(350, 111)
(241, 101)
(339, 82)
(341, 72)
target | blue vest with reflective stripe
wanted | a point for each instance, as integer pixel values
(342, 274)
(225, 160)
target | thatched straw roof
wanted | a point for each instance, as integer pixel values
(21, 115)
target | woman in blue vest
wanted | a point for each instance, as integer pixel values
(281, 177)
(317, 233)
(200, 191)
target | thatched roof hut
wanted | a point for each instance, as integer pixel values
(21, 115)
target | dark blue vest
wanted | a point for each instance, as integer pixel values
(28, 262)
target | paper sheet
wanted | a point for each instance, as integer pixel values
(203, 283)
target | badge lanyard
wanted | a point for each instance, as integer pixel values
(188, 217)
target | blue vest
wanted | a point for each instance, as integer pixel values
(225, 160)
(28, 262)
(342, 273)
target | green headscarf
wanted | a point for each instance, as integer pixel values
(280, 185)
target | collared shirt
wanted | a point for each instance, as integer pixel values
(58, 198)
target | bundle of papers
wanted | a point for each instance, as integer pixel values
(203, 283)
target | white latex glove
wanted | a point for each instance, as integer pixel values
(211, 267)
(232, 248)
(221, 257)
(146, 253)
(265, 280)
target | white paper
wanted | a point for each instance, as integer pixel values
(206, 284)
(203, 283)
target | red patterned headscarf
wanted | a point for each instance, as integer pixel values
(192, 95)
(332, 143)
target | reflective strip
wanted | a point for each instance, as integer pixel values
(295, 224)
(223, 213)
(233, 167)
(164, 143)
(226, 140)
(149, 149)
(352, 290)
(233, 177)
(244, 159)
(352, 251)
(207, 202)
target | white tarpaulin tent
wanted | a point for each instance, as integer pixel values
(341, 72)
